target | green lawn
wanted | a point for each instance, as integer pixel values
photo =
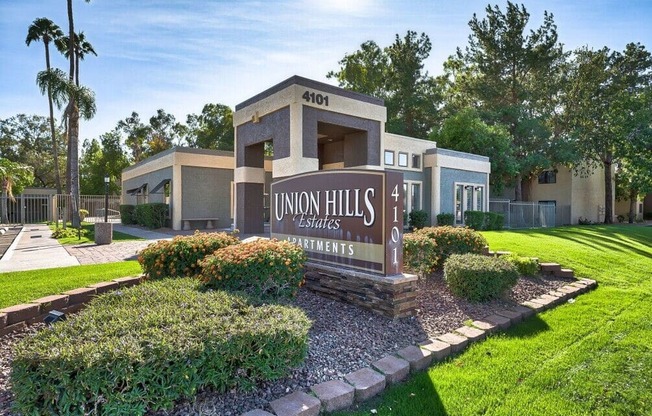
(90, 235)
(20, 287)
(591, 357)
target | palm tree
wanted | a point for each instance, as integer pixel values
(81, 47)
(45, 30)
(13, 177)
(73, 125)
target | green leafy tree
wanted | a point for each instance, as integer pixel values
(162, 133)
(396, 75)
(608, 110)
(45, 30)
(466, 132)
(137, 134)
(13, 178)
(25, 140)
(212, 129)
(514, 79)
(99, 158)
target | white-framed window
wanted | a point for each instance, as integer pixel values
(416, 161)
(389, 157)
(468, 197)
(412, 198)
(403, 159)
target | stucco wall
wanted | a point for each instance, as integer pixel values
(448, 178)
(152, 179)
(587, 196)
(206, 193)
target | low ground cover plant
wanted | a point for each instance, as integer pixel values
(143, 348)
(526, 266)
(266, 269)
(180, 256)
(479, 278)
(426, 249)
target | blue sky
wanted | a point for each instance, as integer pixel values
(181, 54)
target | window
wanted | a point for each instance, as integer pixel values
(402, 159)
(479, 198)
(468, 197)
(416, 197)
(389, 157)
(416, 161)
(549, 176)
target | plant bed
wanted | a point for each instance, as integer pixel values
(148, 346)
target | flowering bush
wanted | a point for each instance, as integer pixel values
(419, 254)
(267, 269)
(478, 278)
(180, 257)
(446, 240)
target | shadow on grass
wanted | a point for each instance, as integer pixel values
(618, 238)
(418, 397)
(531, 327)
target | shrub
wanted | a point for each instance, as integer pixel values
(151, 215)
(266, 269)
(180, 256)
(418, 219)
(474, 219)
(453, 240)
(127, 214)
(479, 278)
(445, 219)
(69, 232)
(621, 218)
(82, 214)
(526, 266)
(419, 253)
(145, 347)
(480, 220)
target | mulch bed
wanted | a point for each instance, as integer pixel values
(343, 338)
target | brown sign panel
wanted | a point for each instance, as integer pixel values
(352, 218)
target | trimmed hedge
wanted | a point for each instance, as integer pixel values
(418, 219)
(127, 214)
(453, 240)
(419, 254)
(180, 257)
(485, 221)
(445, 219)
(151, 215)
(526, 266)
(266, 269)
(143, 348)
(479, 278)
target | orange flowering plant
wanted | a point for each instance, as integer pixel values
(419, 253)
(267, 269)
(180, 257)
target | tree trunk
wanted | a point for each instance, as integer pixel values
(518, 188)
(55, 148)
(73, 143)
(633, 197)
(526, 189)
(3, 204)
(608, 190)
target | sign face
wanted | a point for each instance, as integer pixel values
(352, 218)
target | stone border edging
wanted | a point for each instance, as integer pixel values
(368, 382)
(17, 317)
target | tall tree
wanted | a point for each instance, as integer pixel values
(609, 111)
(137, 133)
(396, 75)
(45, 30)
(73, 124)
(25, 140)
(99, 158)
(81, 47)
(514, 79)
(162, 133)
(13, 178)
(212, 129)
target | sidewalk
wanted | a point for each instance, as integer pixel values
(35, 249)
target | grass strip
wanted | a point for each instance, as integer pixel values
(24, 286)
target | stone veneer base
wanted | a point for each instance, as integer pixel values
(392, 296)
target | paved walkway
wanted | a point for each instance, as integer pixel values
(35, 249)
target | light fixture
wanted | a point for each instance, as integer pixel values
(54, 316)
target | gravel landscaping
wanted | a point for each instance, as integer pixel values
(343, 338)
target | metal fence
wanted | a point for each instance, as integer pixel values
(531, 214)
(36, 208)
